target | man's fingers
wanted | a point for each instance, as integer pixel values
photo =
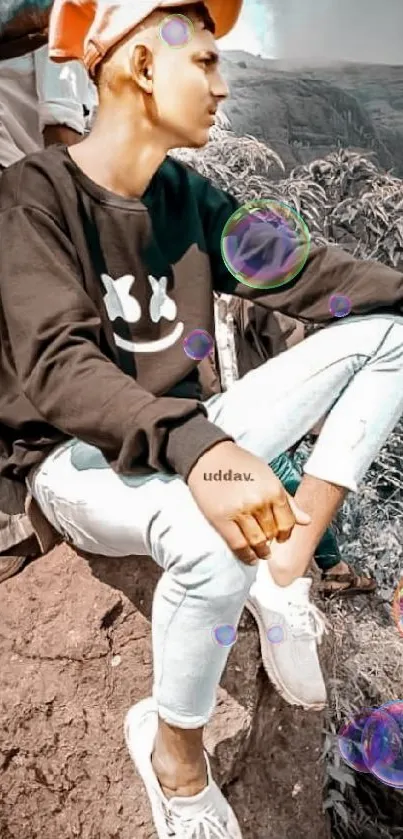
(248, 535)
(300, 516)
(264, 516)
(232, 534)
(284, 518)
(254, 534)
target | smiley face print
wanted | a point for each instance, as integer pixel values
(119, 303)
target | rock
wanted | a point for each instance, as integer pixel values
(75, 654)
(305, 112)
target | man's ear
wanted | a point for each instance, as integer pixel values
(141, 67)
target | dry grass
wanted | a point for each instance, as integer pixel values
(345, 200)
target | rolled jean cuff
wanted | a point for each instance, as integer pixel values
(186, 723)
(330, 471)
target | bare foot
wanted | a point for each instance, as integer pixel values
(343, 580)
(340, 568)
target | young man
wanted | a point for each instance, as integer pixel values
(113, 253)
(41, 103)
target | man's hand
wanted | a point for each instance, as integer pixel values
(247, 514)
(60, 134)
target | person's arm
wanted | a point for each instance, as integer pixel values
(53, 329)
(54, 134)
(369, 285)
(63, 90)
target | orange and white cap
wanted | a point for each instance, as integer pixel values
(86, 30)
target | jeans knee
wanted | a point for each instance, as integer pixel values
(195, 556)
(215, 578)
(225, 578)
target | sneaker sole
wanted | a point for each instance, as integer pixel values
(134, 719)
(270, 667)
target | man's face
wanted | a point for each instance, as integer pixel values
(187, 86)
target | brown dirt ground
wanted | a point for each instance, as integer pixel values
(75, 653)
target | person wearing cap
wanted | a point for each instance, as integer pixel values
(40, 103)
(114, 250)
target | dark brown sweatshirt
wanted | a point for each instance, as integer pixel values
(97, 294)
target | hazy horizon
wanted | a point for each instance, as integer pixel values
(305, 61)
(358, 31)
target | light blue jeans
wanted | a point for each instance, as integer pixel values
(352, 371)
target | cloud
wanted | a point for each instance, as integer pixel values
(253, 32)
(353, 30)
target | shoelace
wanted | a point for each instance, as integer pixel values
(204, 826)
(305, 619)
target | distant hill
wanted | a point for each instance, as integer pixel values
(305, 112)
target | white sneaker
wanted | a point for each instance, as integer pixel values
(203, 816)
(290, 627)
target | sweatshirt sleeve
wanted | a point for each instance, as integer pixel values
(63, 90)
(53, 331)
(370, 286)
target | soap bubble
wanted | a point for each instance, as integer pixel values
(225, 634)
(265, 244)
(275, 634)
(339, 305)
(383, 744)
(381, 741)
(349, 740)
(198, 344)
(176, 31)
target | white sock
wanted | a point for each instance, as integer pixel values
(264, 580)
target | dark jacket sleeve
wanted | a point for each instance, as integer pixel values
(369, 285)
(53, 332)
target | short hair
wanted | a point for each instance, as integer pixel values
(198, 9)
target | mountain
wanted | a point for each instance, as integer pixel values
(304, 112)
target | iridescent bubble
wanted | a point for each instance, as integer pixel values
(275, 634)
(176, 31)
(349, 740)
(383, 744)
(339, 305)
(265, 244)
(397, 607)
(198, 344)
(388, 766)
(225, 635)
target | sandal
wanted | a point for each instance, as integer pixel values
(345, 585)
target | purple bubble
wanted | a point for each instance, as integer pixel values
(349, 740)
(383, 744)
(275, 634)
(176, 30)
(265, 244)
(380, 740)
(198, 344)
(339, 305)
(225, 635)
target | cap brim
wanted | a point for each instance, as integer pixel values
(225, 15)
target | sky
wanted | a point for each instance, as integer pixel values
(352, 30)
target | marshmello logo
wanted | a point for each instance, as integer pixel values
(120, 303)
